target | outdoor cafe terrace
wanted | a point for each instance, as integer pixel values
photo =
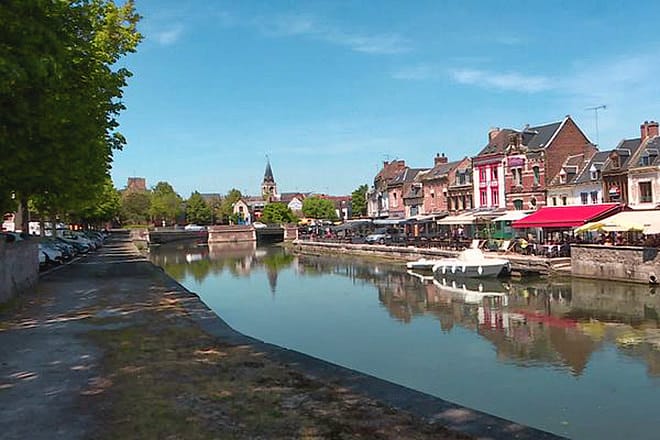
(547, 232)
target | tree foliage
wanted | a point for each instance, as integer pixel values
(226, 211)
(316, 207)
(278, 213)
(197, 211)
(105, 205)
(60, 97)
(166, 204)
(359, 201)
(135, 207)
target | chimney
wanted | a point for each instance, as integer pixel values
(440, 159)
(648, 129)
(494, 131)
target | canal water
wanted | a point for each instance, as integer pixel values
(580, 358)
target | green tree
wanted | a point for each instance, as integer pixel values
(166, 204)
(316, 207)
(227, 206)
(359, 201)
(60, 96)
(278, 213)
(105, 205)
(197, 211)
(135, 207)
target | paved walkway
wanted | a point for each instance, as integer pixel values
(110, 347)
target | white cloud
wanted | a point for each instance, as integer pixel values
(308, 26)
(507, 81)
(169, 36)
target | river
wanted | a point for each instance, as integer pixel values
(579, 358)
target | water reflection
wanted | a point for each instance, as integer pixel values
(239, 259)
(558, 323)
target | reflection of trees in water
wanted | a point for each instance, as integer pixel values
(240, 259)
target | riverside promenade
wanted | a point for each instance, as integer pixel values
(111, 347)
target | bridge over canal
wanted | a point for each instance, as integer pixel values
(226, 234)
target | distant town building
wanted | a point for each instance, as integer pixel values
(137, 184)
(268, 185)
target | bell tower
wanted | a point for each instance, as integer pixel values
(268, 186)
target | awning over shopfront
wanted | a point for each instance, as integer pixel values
(565, 216)
(647, 222)
(425, 218)
(511, 216)
(462, 219)
(389, 221)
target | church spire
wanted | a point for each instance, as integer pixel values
(268, 175)
(268, 186)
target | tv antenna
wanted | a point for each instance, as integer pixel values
(595, 110)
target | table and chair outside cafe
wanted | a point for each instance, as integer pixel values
(548, 231)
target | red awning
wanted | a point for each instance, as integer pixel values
(566, 216)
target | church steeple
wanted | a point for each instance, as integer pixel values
(268, 186)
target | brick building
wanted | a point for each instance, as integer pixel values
(512, 170)
(398, 187)
(377, 196)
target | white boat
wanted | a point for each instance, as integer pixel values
(471, 263)
(422, 264)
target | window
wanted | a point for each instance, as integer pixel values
(493, 173)
(644, 161)
(645, 195)
(594, 174)
(517, 176)
(482, 174)
(564, 200)
(584, 198)
(394, 201)
(594, 197)
(554, 201)
(494, 197)
(518, 204)
(562, 176)
(484, 198)
(432, 195)
(537, 175)
(461, 178)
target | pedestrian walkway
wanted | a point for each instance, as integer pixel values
(111, 347)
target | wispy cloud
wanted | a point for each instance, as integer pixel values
(169, 35)
(309, 26)
(506, 81)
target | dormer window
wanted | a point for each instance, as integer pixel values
(594, 173)
(562, 176)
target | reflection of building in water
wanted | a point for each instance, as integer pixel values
(545, 322)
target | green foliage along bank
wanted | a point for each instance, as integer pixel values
(60, 98)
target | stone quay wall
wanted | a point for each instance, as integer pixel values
(622, 263)
(19, 267)
(290, 232)
(231, 233)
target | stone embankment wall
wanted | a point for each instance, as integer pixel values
(290, 232)
(622, 263)
(19, 267)
(402, 253)
(232, 233)
(523, 264)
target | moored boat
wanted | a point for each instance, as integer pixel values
(422, 264)
(471, 263)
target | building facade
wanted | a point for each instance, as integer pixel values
(377, 196)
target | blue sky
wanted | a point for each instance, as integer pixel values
(330, 89)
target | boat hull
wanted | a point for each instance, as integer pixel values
(457, 268)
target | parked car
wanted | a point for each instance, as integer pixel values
(53, 255)
(194, 227)
(380, 236)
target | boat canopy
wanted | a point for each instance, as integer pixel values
(566, 216)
